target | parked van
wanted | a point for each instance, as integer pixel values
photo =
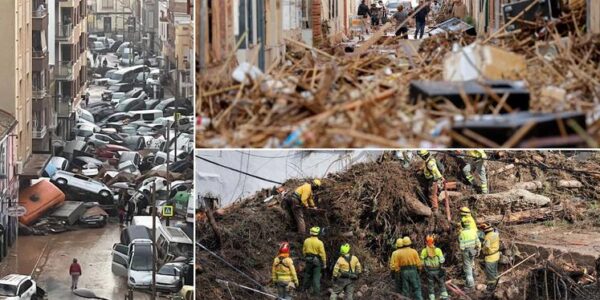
(171, 242)
(126, 75)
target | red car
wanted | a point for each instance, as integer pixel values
(110, 152)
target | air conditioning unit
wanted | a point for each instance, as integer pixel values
(19, 168)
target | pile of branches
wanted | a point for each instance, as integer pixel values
(360, 98)
(368, 206)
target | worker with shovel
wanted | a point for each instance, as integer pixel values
(474, 160)
(491, 252)
(433, 258)
(432, 173)
(283, 272)
(345, 273)
(315, 259)
(470, 246)
(303, 197)
(408, 262)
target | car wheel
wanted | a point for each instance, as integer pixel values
(61, 181)
(104, 193)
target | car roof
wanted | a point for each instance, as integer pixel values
(13, 279)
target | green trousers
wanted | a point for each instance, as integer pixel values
(436, 278)
(312, 275)
(340, 285)
(491, 272)
(479, 166)
(282, 291)
(411, 282)
(468, 264)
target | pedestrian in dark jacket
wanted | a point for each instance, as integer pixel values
(130, 212)
(363, 9)
(420, 18)
(75, 272)
(374, 12)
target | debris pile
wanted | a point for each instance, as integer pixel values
(372, 204)
(356, 94)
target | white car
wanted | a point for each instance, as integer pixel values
(63, 178)
(134, 261)
(17, 286)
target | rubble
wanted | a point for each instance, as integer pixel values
(322, 98)
(372, 204)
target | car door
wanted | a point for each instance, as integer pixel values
(120, 260)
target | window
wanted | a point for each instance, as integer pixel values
(108, 4)
(3, 160)
(148, 117)
(25, 287)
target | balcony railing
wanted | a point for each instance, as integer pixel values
(64, 31)
(64, 107)
(39, 133)
(39, 13)
(39, 93)
(64, 70)
(39, 53)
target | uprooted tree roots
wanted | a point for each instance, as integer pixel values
(369, 206)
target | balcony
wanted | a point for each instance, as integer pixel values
(39, 93)
(64, 32)
(39, 16)
(64, 107)
(64, 70)
(40, 60)
(40, 133)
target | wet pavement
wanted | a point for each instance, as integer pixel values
(47, 259)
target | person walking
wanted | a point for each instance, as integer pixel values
(400, 17)
(420, 19)
(283, 272)
(316, 260)
(374, 12)
(302, 198)
(474, 160)
(130, 212)
(470, 246)
(75, 272)
(433, 259)
(345, 273)
(87, 99)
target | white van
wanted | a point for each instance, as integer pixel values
(146, 116)
(171, 242)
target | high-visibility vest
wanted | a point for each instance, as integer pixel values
(431, 170)
(432, 260)
(491, 246)
(468, 239)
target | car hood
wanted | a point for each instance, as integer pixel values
(141, 277)
(166, 279)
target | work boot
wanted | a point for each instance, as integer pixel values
(431, 296)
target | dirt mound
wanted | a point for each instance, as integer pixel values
(368, 206)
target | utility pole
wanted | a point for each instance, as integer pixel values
(167, 171)
(153, 241)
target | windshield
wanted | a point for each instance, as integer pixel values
(8, 290)
(180, 249)
(142, 258)
(168, 270)
(115, 76)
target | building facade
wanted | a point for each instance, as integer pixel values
(111, 17)
(43, 114)
(177, 47)
(9, 183)
(71, 61)
(16, 72)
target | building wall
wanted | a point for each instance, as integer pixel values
(15, 70)
(593, 10)
(9, 186)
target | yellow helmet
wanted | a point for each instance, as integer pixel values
(465, 210)
(316, 182)
(399, 243)
(315, 230)
(406, 241)
(423, 154)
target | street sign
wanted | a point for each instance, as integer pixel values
(16, 211)
(167, 211)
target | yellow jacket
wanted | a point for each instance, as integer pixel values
(314, 246)
(477, 154)
(405, 257)
(306, 196)
(283, 270)
(468, 239)
(431, 170)
(342, 266)
(491, 246)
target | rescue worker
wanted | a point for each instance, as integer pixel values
(474, 160)
(465, 216)
(301, 198)
(433, 175)
(345, 273)
(409, 263)
(470, 246)
(283, 272)
(316, 260)
(395, 267)
(433, 258)
(491, 252)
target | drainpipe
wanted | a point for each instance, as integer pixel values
(203, 17)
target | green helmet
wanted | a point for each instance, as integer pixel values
(315, 230)
(345, 249)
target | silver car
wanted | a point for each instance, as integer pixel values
(68, 179)
(100, 140)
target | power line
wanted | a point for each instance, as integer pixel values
(239, 171)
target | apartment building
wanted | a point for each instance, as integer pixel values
(43, 114)
(9, 183)
(177, 46)
(111, 17)
(16, 73)
(71, 61)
